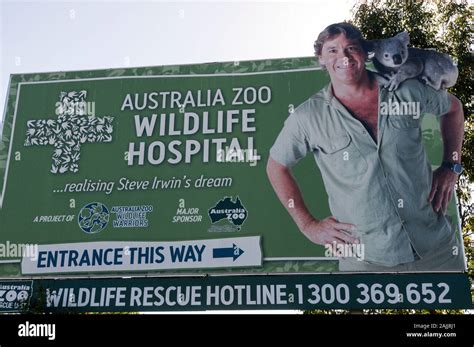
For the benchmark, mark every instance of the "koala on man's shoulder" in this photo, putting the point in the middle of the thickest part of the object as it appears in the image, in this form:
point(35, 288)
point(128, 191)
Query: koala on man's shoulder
point(397, 62)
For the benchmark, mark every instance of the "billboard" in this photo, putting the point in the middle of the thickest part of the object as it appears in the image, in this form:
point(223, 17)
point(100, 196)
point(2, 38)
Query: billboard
point(163, 170)
point(255, 292)
point(152, 169)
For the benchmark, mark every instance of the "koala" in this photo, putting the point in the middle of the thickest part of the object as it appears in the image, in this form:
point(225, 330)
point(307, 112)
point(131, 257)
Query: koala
point(397, 62)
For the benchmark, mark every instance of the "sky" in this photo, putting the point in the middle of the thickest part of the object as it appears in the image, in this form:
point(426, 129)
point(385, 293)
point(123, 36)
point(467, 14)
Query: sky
point(46, 36)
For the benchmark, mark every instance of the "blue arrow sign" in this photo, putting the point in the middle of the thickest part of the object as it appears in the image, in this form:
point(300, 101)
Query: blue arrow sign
point(231, 252)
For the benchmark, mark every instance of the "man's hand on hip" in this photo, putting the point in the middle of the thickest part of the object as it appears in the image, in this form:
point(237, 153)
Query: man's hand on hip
point(442, 189)
point(329, 230)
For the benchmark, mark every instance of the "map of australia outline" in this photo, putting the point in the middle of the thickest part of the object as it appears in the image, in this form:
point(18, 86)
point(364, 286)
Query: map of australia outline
point(226, 206)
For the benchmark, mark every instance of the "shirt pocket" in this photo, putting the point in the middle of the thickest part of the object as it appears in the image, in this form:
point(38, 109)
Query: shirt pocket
point(406, 136)
point(342, 156)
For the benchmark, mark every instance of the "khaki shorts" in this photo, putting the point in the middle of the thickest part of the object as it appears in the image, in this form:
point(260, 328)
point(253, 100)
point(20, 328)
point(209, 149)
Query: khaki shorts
point(446, 258)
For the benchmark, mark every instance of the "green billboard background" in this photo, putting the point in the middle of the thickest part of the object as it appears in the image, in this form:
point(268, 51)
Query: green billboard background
point(29, 190)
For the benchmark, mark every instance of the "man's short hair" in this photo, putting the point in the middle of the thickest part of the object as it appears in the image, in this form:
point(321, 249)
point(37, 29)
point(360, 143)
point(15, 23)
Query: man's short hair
point(350, 31)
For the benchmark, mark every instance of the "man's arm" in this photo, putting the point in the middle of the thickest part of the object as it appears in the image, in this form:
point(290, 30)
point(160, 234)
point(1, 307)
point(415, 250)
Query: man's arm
point(318, 231)
point(452, 132)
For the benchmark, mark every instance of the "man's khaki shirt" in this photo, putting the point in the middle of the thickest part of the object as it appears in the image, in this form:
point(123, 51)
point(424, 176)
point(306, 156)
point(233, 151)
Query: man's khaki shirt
point(382, 187)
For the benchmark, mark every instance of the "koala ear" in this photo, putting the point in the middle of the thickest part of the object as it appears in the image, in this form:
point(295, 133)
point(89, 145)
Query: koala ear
point(370, 45)
point(403, 37)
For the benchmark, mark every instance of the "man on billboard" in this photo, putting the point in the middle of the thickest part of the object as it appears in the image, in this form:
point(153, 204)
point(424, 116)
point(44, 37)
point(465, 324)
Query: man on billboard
point(382, 191)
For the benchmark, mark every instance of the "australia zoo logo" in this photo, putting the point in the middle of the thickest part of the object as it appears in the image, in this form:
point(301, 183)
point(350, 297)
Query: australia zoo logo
point(75, 125)
point(227, 215)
